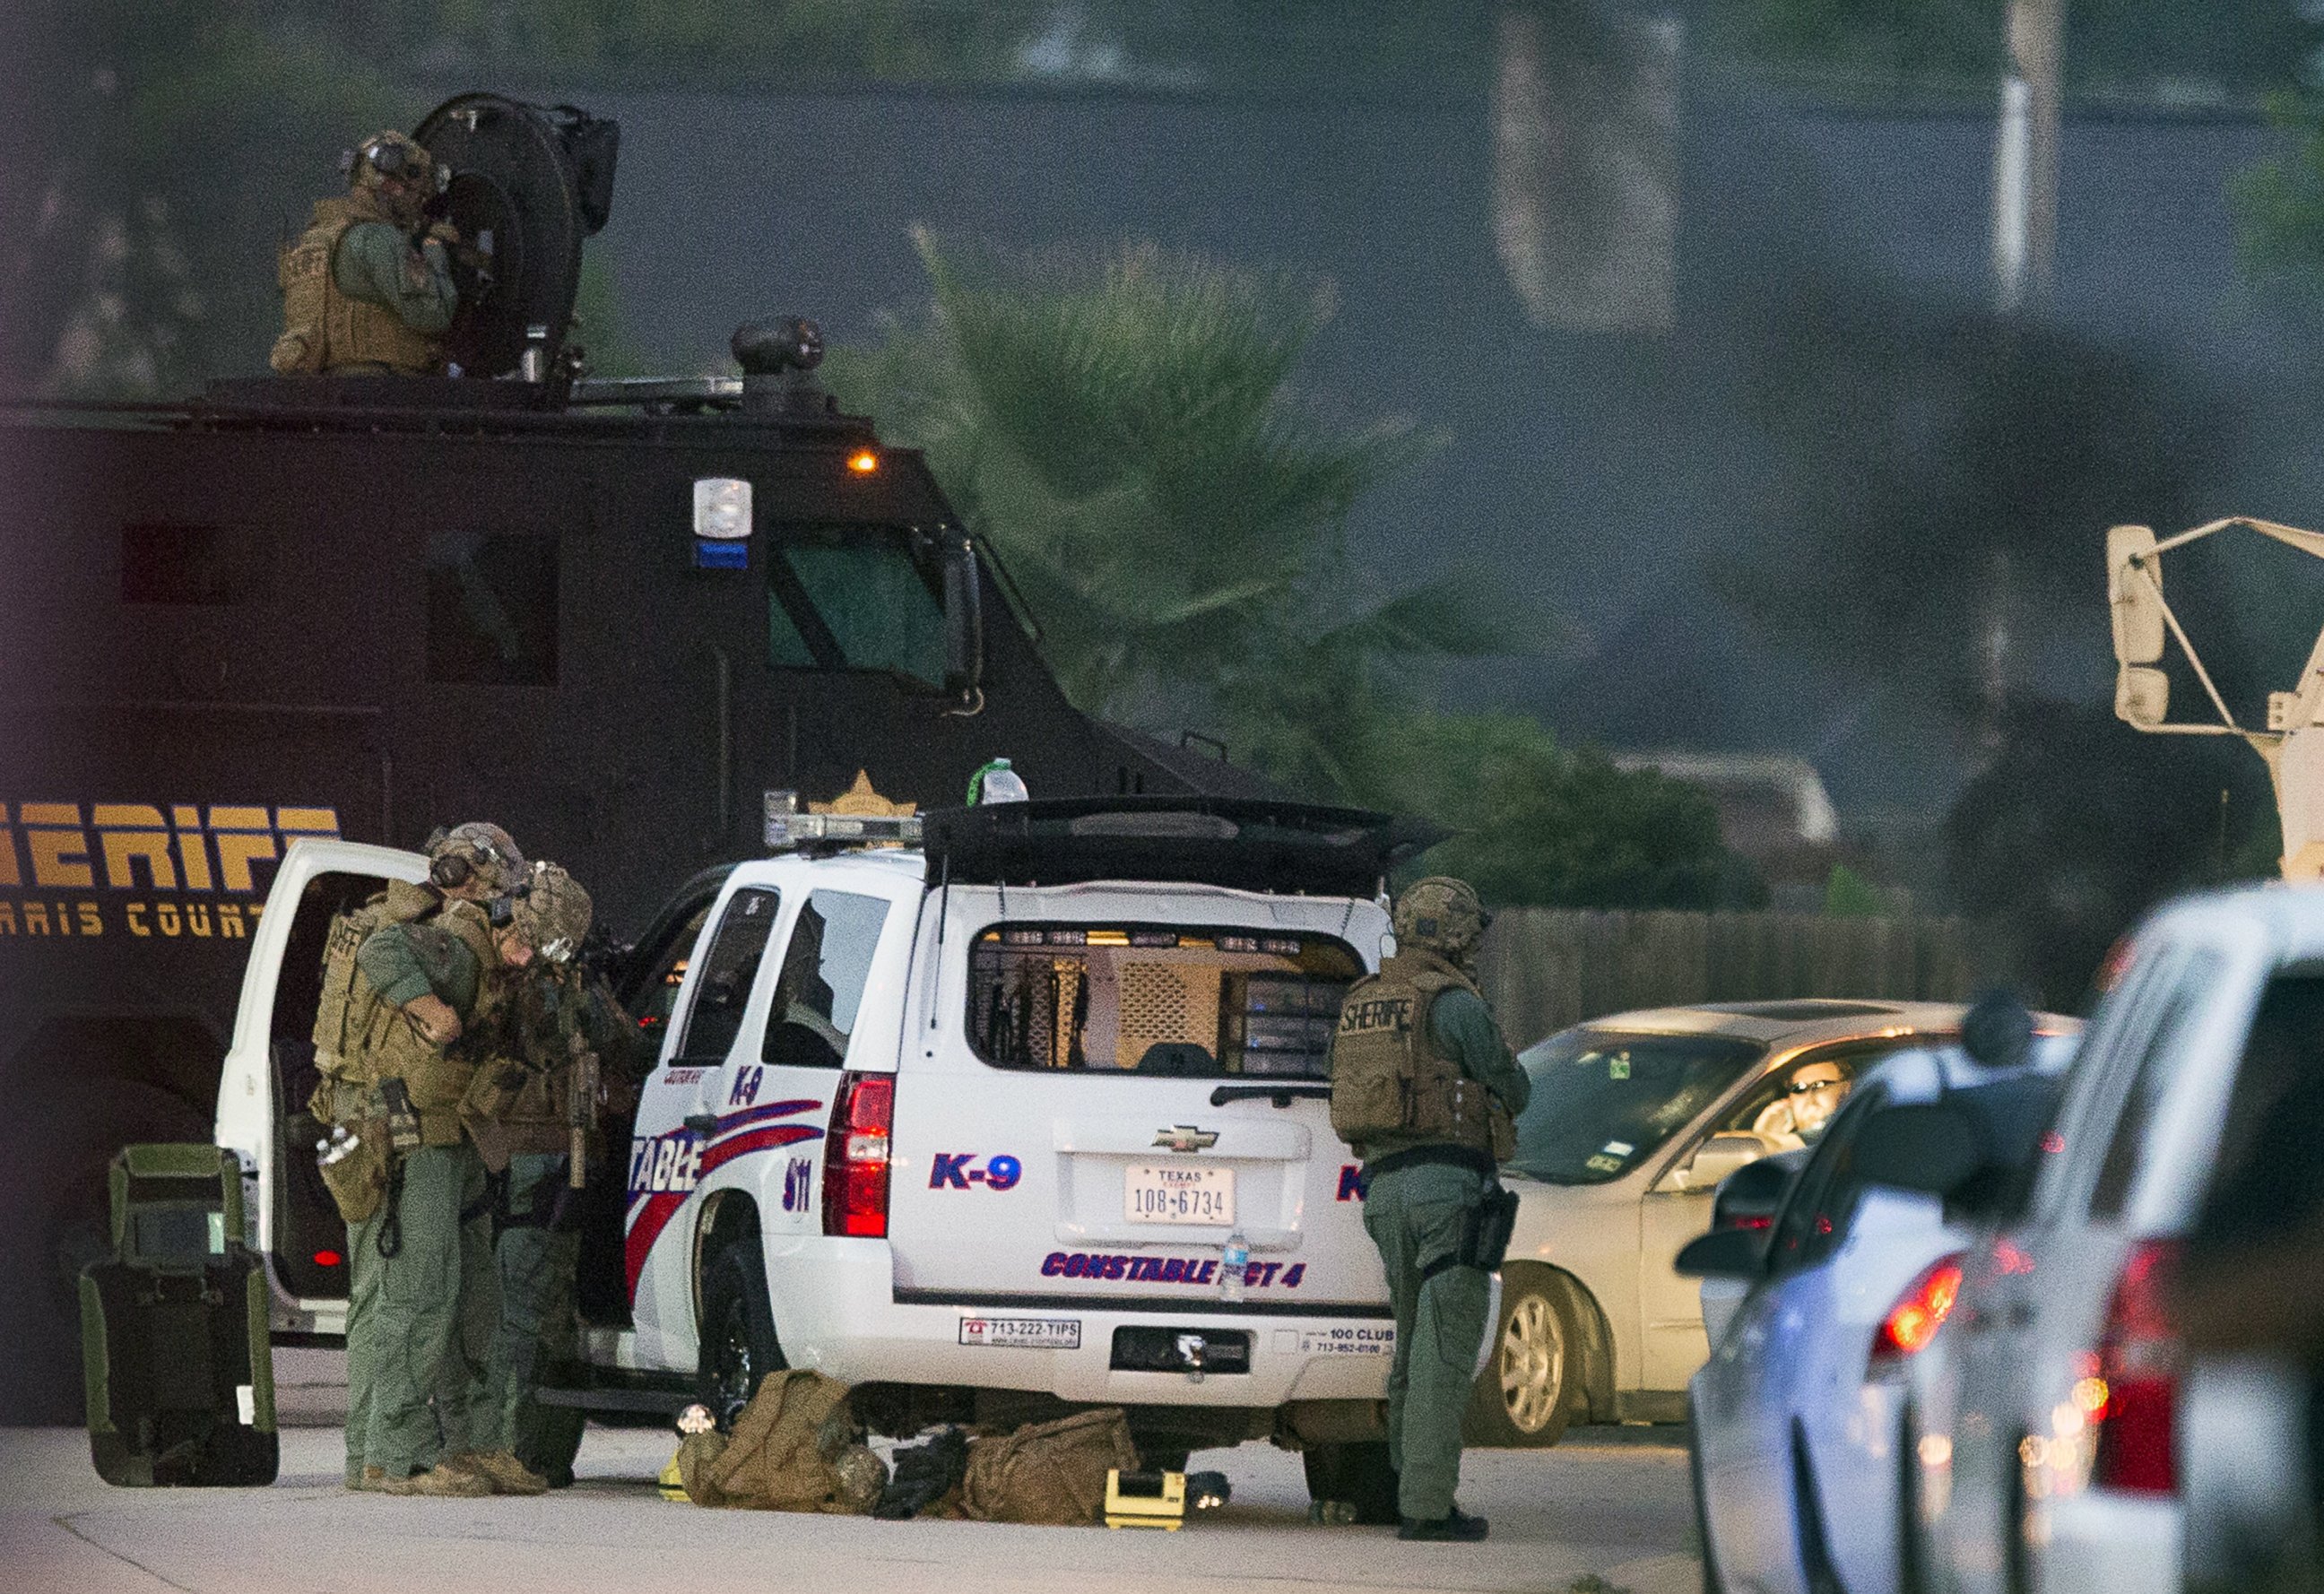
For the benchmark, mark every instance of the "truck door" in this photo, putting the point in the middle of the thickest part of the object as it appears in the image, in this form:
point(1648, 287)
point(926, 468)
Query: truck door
point(680, 1106)
point(777, 1099)
point(1100, 1101)
point(270, 1071)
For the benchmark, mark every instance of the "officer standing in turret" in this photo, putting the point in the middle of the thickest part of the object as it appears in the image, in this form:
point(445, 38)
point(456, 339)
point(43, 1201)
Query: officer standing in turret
point(1424, 1089)
point(365, 293)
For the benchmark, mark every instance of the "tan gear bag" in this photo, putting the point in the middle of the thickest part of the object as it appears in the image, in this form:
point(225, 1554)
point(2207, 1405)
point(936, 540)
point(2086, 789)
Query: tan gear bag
point(785, 1453)
point(1049, 1474)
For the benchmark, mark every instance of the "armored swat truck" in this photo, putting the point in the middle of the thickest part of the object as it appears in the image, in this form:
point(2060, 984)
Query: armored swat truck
point(624, 620)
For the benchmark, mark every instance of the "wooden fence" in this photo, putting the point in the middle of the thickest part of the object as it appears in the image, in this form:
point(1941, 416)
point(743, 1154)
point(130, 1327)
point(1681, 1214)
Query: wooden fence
point(1546, 969)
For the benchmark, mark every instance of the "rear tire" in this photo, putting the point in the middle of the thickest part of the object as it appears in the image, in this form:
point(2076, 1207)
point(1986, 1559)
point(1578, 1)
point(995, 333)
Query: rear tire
point(1524, 1398)
point(1701, 1507)
point(1910, 1577)
point(1358, 1473)
point(739, 1347)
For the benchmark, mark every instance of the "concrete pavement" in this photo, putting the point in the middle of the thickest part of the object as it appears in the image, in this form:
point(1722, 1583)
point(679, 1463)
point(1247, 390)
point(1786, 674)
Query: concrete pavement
point(1611, 1504)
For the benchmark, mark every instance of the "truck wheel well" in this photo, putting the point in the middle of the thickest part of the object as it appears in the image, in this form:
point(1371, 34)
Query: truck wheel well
point(729, 1215)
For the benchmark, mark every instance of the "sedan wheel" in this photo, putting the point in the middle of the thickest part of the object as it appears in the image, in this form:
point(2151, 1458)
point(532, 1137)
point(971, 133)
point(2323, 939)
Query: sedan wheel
point(1522, 1399)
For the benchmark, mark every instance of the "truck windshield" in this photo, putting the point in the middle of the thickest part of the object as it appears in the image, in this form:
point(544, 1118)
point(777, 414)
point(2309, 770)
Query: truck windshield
point(1603, 1101)
point(1154, 998)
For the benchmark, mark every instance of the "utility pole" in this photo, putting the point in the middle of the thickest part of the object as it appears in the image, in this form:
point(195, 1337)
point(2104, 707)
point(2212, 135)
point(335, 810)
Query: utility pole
point(2025, 154)
point(2024, 256)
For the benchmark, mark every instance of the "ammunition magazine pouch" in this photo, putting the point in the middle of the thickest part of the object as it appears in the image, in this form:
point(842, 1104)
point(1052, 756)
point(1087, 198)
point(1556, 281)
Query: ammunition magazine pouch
point(358, 1181)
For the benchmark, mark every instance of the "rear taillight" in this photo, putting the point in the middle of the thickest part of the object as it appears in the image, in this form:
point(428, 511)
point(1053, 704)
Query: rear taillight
point(2136, 1400)
point(1917, 1315)
point(855, 1156)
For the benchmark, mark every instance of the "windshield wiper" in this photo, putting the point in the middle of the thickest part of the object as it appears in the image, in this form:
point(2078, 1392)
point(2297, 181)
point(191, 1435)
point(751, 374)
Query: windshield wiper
point(1282, 1095)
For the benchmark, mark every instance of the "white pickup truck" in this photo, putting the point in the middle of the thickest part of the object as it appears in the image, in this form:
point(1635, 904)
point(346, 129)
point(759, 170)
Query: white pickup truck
point(969, 1124)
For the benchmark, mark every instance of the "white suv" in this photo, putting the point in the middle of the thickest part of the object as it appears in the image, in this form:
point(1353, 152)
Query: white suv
point(972, 1127)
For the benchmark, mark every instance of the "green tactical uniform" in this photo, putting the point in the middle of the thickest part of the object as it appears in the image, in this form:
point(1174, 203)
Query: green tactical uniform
point(1428, 1164)
point(539, 1244)
point(419, 1321)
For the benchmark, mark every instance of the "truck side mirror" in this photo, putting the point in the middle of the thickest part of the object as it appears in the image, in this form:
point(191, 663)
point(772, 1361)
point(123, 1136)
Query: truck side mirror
point(1751, 1197)
point(1928, 1146)
point(964, 601)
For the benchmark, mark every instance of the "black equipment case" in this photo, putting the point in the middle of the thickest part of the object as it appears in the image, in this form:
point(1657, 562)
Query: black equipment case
point(174, 1347)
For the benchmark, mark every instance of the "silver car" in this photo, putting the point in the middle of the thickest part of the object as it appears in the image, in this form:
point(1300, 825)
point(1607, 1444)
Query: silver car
point(1635, 1120)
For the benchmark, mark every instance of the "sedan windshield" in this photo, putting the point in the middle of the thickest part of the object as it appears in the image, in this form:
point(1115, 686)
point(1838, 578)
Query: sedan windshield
point(1603, 1100)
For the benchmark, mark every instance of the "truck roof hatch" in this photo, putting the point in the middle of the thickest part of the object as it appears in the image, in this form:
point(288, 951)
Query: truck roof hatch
point(1239, 842)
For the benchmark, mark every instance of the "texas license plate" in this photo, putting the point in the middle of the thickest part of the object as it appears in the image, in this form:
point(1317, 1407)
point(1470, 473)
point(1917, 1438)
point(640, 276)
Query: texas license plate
point(1172, 1192)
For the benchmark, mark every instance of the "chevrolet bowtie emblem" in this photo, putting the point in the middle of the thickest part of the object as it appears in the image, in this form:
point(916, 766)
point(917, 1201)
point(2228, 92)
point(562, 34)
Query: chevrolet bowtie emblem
point(1187, 1138)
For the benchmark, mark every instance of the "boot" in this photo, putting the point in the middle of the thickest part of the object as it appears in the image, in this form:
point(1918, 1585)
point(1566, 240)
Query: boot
point(1456, 1527)
point(440, 1483)
point(501, 1469)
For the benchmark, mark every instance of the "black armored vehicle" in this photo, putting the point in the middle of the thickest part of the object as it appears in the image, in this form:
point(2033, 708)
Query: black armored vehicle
point(626, 620)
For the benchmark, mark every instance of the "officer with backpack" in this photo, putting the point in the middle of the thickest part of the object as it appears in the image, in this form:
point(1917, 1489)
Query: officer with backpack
point(403, 979)
point(558, 1045)
point(1425, 1091)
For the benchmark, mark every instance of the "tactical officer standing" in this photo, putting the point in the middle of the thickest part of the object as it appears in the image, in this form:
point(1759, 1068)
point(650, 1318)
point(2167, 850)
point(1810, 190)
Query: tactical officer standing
point(1424, 1089)
point(558, 1042)
point(365, 293)
point(403, 979)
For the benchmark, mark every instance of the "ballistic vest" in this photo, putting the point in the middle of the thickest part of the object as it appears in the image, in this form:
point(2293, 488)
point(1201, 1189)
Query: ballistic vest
point(525, 1084)
point(323, 330)
point(361, 1040)
point(1391, 1088)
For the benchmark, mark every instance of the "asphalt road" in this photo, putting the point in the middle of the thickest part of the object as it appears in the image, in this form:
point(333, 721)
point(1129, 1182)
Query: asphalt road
point(1609, 1503)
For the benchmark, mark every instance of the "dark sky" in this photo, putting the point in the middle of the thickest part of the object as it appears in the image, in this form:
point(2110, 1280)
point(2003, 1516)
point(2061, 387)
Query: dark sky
point(1602, 475)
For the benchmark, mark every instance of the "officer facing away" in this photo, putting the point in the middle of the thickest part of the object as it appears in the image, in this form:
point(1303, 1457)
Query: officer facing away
point(1424, 1089)
point(365, 293)
point(558, 1043)
point(403, 979)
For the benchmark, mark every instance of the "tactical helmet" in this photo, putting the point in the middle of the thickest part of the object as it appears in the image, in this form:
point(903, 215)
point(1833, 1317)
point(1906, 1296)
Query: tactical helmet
point(390, 156)
point(478, 850)
point(553, 912)
point(1442, 915)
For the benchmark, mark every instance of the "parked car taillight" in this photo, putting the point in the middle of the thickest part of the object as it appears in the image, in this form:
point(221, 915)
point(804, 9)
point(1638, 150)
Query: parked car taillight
point(855, 1156)
point(2136, 1403)
point(1917, 1315)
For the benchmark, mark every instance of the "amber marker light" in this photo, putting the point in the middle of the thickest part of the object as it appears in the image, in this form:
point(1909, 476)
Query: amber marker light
point(863, 462)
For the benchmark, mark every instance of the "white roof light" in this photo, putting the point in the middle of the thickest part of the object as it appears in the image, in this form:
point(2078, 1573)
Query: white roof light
point(722, 508)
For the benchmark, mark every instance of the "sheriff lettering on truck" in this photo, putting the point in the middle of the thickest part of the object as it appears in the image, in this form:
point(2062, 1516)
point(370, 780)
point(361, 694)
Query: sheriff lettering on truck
point(1009, 1110)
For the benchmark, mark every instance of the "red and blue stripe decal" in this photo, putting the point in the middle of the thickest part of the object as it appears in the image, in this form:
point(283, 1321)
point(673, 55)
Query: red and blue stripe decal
point(666, 1168)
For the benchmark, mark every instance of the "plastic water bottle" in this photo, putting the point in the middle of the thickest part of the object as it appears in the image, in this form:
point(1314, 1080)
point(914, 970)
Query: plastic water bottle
point(1002, 784)
point(1233, 1267)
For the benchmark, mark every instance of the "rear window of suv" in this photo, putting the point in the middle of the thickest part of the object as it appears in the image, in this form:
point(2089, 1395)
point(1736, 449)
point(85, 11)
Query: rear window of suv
point(1156, 999)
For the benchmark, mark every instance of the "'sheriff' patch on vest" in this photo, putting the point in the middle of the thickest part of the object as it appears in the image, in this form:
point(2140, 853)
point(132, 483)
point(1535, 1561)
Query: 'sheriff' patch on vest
point(1391, 1087)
